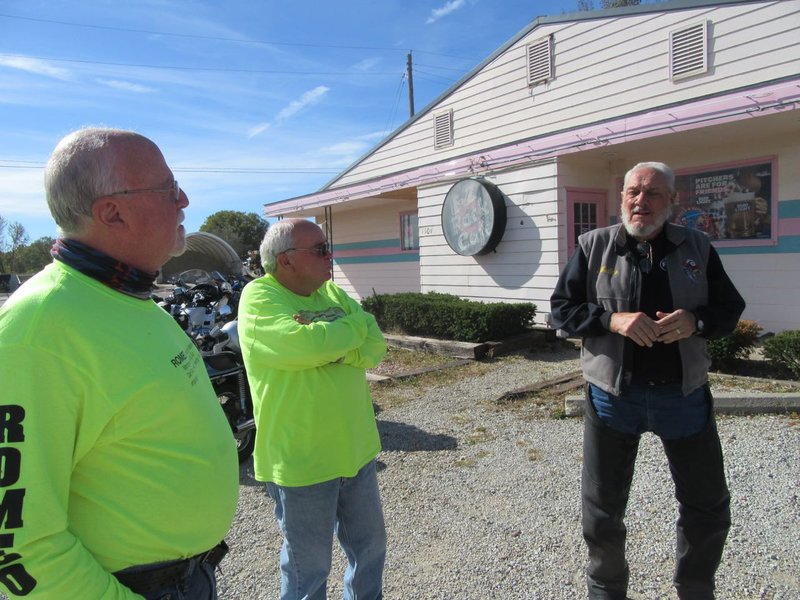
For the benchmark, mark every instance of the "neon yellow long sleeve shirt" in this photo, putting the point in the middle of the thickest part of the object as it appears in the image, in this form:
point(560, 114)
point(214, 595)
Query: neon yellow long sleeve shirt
point(115, 449)
point(314, 415)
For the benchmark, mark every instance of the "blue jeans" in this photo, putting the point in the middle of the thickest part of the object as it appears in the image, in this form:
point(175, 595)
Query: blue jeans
point(662, 409)
point(688, 432)
point(309, 516)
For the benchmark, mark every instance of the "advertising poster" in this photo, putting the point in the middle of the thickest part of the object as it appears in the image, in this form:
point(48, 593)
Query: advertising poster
point(732, 203)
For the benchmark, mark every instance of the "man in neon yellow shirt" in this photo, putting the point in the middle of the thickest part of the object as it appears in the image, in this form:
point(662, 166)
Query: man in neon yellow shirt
point(306, 345)
point(119, 473)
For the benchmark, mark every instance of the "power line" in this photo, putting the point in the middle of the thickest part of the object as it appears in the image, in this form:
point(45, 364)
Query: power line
point(221, 39)
point(180, 68)
point(416, 64)
point(390, 122)
point(30, 164)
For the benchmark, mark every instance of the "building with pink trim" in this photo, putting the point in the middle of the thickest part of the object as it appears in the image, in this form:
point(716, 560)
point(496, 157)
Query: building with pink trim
point(483, 192)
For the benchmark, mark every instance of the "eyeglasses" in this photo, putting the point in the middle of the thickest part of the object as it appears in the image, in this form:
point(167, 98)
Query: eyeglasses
point(176, 189)
point(320, 249)
point(645, 251)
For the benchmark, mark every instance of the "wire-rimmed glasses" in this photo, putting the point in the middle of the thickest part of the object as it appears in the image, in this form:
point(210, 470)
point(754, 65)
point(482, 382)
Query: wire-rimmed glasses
point(176, 189)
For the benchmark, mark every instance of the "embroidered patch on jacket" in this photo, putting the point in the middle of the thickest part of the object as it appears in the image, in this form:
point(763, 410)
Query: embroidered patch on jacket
point(691, 269)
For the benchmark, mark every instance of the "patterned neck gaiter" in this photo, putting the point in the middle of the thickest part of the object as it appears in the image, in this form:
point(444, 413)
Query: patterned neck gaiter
point(109, 271)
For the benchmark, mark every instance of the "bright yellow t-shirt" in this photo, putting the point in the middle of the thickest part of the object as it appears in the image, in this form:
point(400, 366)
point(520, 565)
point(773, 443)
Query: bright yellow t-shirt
point(314, 416)
point(120, 453)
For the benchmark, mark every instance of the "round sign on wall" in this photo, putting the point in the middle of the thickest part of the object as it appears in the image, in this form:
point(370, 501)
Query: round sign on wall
point(473, 217)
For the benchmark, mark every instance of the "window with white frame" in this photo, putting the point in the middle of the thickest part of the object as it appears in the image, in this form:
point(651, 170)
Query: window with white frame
point(688, 51)
point(409, 231)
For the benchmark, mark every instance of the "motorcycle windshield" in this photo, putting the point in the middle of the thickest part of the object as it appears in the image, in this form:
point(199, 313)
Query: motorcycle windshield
point(194, 277)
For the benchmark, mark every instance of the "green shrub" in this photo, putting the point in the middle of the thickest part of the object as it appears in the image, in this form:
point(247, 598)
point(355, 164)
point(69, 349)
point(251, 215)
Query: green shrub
point(784, 349)
point(449, 317)
point(738, 344)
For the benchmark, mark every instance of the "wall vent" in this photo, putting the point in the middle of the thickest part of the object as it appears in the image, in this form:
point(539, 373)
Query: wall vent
point(688, 51)
point(443, 129)
point(540, 61)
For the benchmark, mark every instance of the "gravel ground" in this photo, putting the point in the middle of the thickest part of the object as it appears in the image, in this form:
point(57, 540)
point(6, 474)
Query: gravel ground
point(482, 501)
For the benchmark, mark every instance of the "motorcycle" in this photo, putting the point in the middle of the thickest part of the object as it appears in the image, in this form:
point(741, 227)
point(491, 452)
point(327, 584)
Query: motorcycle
point(223, 360)
point(203, 305)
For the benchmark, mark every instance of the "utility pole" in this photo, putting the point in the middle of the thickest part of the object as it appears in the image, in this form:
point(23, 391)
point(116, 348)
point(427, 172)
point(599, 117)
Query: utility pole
point(410, 86)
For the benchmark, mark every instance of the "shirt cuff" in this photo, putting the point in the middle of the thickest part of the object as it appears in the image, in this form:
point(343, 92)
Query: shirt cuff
point(605, 320)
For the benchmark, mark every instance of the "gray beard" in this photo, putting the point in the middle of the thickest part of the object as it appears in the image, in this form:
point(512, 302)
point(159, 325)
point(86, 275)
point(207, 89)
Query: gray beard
point(645, 231)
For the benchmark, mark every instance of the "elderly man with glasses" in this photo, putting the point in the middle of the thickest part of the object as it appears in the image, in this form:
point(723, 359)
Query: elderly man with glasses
point(645, 295)
point(119, 474)
point(306, 346)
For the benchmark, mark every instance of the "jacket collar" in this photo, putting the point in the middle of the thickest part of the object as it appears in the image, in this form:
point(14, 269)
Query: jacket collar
point(675, 234)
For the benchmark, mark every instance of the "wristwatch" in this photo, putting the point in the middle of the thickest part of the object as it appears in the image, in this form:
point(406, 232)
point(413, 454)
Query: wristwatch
point(699, 325)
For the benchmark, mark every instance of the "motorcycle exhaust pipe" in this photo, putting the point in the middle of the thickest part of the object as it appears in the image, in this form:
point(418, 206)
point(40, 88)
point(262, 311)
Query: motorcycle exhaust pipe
point(245, 426)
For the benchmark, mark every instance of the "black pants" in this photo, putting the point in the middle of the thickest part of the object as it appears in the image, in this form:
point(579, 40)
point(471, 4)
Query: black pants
point(696, 466)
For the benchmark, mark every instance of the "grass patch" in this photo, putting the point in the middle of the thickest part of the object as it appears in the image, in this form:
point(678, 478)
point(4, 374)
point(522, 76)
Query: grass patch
point(541, 404)
point(399, 360)
point(732, 382)
point(460, 419)
point(479, 436)
point(397, 392)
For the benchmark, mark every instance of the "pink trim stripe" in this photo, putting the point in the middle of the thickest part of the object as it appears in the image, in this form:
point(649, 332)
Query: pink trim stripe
point(789, 226)
point(736, 106)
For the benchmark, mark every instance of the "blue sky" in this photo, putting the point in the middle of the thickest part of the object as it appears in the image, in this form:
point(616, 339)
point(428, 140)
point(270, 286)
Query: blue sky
point(251, 101)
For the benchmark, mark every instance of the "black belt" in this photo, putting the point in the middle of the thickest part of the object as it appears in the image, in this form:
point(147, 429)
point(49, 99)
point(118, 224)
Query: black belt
point(144, 580)
point(657, 382)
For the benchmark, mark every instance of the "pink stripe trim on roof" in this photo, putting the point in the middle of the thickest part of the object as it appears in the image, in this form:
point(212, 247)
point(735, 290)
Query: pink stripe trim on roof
point(736, 106)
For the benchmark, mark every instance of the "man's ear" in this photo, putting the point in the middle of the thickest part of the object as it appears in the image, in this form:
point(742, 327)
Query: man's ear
point(107, 213)
point(284, 262)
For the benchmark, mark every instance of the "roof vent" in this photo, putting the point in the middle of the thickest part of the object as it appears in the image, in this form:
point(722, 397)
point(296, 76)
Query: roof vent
point(688, 51)
point(443, 129)
point(540, 60)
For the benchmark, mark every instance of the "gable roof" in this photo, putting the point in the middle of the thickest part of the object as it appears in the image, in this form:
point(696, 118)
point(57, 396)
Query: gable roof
point(672, 5)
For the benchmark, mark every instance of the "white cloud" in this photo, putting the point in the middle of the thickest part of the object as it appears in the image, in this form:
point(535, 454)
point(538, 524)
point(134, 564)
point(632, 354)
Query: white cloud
point(257, 130)
point(373, 136)
point(367, 64)
point(345, 148)
point(307, 99)
point(438, 13)
point(35, 65)
point(22, 195)
point(126, 86)
point(295, 106)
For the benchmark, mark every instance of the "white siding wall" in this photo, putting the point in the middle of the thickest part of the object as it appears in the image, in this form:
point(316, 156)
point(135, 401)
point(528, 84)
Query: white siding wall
point(534, 247)
point(524, 267)
point(384, 278)
point(380, 222)
point(604, 68)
